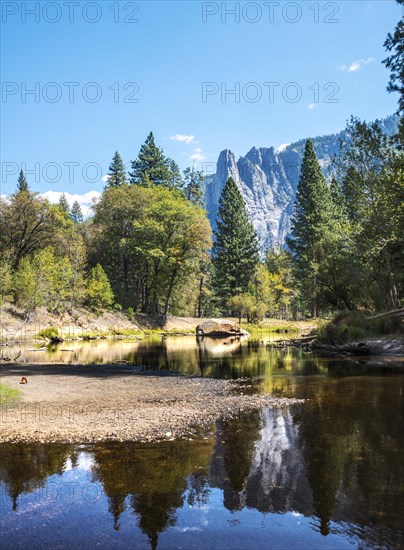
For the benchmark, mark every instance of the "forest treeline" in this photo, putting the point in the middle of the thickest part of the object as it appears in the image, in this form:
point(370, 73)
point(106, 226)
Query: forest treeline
point(148, 246)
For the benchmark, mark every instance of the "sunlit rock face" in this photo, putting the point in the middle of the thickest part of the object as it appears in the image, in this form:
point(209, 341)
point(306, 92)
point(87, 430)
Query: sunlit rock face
point(268, 178)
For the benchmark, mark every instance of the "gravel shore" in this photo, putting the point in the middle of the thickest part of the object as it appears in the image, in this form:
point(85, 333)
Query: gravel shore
point(86, 404)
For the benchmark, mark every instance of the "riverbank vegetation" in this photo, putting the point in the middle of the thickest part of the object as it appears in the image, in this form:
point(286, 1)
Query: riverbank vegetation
point(148, 248)
point(8, 395)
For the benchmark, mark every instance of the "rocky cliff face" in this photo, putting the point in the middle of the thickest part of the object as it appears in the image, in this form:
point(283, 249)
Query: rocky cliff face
point(267, 179)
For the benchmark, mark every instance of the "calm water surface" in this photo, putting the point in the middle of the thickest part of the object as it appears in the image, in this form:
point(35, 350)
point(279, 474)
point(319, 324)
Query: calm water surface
point(325, 474)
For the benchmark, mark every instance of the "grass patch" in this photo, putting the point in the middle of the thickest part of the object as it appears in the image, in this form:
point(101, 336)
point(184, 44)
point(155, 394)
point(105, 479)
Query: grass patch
point(352, 326)
point(283, 328)
point(87, 336)
point(125, 332)
point(8, 395)
point(48, 333)
point(172, 332)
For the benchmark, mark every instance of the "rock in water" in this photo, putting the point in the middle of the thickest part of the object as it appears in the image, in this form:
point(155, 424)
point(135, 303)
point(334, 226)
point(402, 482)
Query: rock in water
point(220, 328)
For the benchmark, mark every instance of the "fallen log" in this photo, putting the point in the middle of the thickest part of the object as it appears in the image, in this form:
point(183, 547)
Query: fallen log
point(393, 313)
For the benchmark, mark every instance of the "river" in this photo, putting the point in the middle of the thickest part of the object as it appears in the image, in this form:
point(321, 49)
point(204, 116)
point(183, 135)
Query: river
point(328, 473)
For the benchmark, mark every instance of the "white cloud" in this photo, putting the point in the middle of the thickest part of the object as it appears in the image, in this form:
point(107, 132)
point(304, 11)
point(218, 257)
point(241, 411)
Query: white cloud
point(85, 200)
point(355, 65)
point(105, 178)
point(183, 138)
point(282, 147)
point(197, 155)
point(312, 106)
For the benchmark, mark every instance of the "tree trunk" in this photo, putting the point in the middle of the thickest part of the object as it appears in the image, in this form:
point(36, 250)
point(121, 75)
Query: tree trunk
point(200, 296)
point(170, 290)
point(392, 287)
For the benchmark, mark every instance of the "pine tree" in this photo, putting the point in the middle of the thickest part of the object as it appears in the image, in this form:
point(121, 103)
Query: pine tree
point(235, 251)
point(395, 62)
point(64, 205)
point(151, 167)
point(353, 194)
point(117, 173)
point(311, 218)
point(175, 175)
point(76, 213)
point(192, 188)
point(22, 184)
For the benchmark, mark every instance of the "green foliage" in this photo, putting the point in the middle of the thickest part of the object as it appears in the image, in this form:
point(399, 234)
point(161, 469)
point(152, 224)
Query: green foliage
point(352, 326)
point(395, 62)
point(313, 215)
point(117, 172)
point(171, 237)
point(235, 250)
point(75, 213)
point(152, 167)
point(64, 205)
point(192, 186)
point(8, 395)
point(22, 184)
point(152, 242)
point(49, 280)
point(99, 293)
point(275, 283)
point(25, 285)
point(373, 191)
point(29, 224)
point(242, 305)
point(6, 278)
point(48, 333)
point(130, 312)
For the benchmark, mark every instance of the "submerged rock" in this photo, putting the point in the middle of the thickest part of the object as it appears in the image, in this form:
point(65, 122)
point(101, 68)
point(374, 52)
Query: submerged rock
point(214, 327)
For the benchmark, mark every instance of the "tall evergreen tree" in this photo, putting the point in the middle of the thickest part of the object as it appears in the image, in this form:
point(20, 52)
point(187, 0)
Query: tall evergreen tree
point(151, 167)
point(311, 218)
point(117, 173)
point(76, 213)
point(373, 192)
point(22, 184)
point(353, 194)
point(235, 251)
point(395, 62)
point(64, 205)
point(192, 187)
point(175, 178)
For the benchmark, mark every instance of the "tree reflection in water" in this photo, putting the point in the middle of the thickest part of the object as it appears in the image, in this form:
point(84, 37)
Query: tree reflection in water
point(338, 458)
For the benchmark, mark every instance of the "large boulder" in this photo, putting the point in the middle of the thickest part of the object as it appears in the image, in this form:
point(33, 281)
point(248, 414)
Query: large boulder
point(215, 327)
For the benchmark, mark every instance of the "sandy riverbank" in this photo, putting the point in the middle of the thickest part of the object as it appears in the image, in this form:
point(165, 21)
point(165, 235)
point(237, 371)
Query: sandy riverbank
point(16, 326)
point(82, 404)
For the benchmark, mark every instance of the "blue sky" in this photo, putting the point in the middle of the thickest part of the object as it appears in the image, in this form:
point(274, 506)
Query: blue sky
point(303, 52)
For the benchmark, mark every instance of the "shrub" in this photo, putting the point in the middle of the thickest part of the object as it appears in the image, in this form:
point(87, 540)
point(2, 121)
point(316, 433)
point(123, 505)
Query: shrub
point(130, 312)
point(350, 326)
point(48, 333)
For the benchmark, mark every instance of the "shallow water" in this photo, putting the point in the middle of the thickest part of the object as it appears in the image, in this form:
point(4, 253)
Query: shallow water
point(325, 474)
